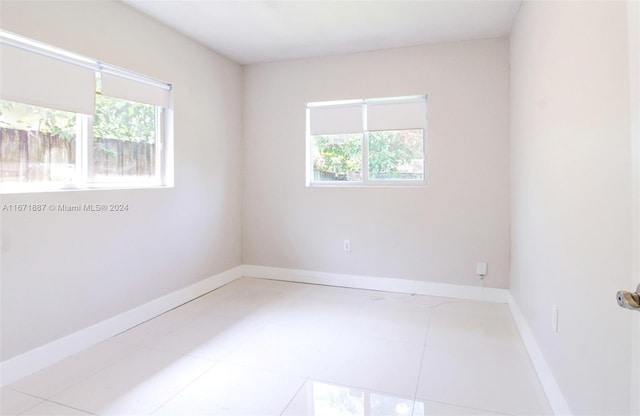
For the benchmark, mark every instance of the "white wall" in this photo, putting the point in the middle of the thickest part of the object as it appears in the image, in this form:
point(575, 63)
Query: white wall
point(62, 272)
point(571, 194)
point(633, 19)
point(435, 233)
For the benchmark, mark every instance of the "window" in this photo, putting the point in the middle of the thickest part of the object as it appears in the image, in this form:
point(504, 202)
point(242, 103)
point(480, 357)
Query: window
point(67, 122)
point(367, 142)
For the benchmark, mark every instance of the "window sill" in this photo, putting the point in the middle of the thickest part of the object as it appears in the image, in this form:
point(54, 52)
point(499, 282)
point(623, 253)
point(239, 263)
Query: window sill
point(368, 184)
point(9, 189)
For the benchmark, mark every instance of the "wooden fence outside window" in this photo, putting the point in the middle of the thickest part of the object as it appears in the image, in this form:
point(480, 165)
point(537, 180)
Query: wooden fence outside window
point(27, 156)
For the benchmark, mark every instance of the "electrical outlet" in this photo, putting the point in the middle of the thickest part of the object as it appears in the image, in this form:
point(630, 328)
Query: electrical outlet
point(347, 245)
point(481, 269)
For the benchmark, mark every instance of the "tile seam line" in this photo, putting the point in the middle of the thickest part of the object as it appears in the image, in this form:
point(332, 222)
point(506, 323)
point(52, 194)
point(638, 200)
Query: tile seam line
point(214, 364)
point(294, 396)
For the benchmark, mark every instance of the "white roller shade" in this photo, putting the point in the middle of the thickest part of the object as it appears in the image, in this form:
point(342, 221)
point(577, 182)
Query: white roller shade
point(335, 119)
point(398, 115)
point(133, 90)
point(41, 80)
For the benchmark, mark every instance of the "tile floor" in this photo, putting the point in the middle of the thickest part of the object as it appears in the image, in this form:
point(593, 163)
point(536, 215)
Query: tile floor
point(261, 347)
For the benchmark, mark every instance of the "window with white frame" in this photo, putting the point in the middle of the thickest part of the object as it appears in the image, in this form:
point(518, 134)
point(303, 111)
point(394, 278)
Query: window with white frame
point(70, 122)
point(379, 141)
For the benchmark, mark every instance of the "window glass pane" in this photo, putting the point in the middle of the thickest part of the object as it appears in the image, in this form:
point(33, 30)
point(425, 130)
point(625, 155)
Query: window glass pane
point(37, 144)
point(396, 155)
point(337, 157)
point(124, 139)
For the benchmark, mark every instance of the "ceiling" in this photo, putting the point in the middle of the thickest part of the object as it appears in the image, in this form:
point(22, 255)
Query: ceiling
point(264, 31)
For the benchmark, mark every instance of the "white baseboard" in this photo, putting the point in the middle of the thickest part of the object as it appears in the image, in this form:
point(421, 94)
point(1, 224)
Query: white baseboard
point(551, 388)
point(41, 357)
point(379, 283)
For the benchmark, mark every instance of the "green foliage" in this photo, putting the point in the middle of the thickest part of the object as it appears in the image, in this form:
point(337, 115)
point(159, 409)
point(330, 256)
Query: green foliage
point(389, 151)
point(124, 120)
point(338, 154)
point(37, 119)
point(391, 155)
point(114, 119)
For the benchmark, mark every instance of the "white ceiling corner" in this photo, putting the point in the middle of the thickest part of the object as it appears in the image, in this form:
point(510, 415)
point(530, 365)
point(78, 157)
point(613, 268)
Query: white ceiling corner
point(264, 31)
